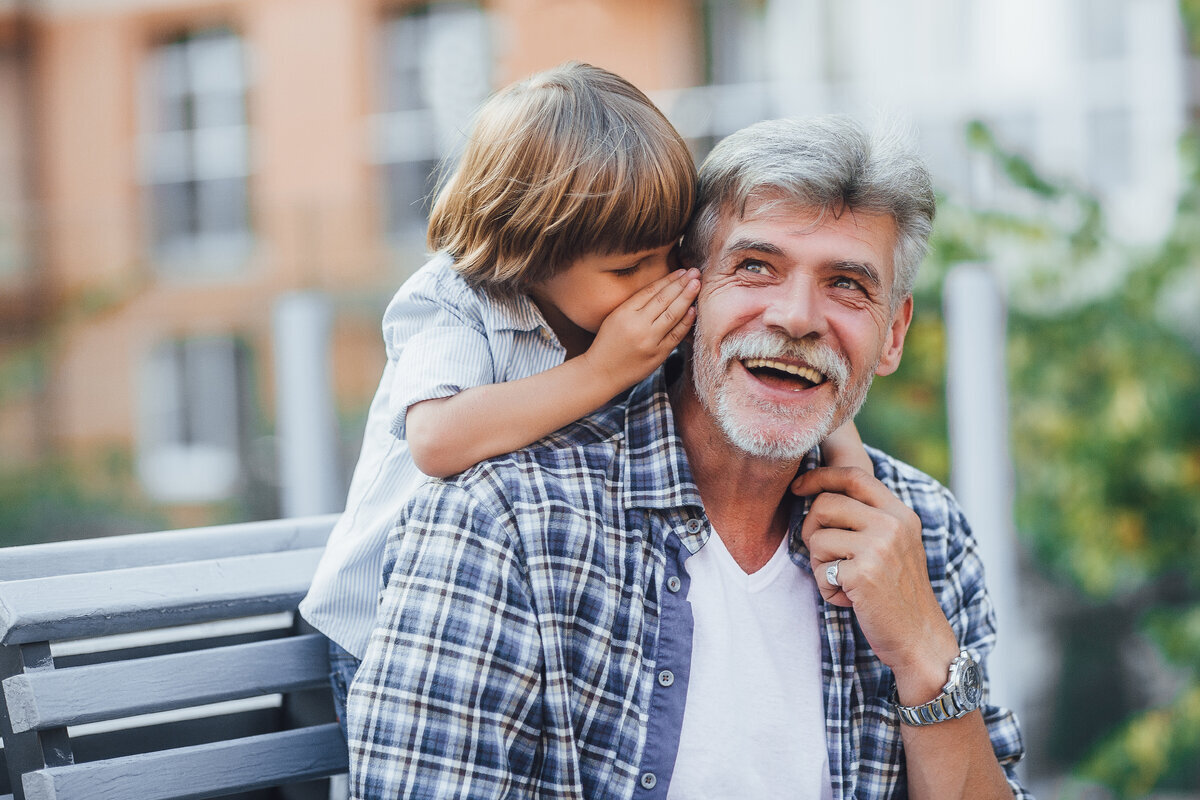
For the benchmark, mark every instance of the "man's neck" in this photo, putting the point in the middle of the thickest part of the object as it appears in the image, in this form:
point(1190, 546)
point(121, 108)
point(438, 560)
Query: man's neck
point(746, 498)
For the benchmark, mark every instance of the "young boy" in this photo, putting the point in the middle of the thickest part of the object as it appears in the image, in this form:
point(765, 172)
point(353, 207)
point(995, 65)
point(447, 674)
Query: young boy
point(553, 289)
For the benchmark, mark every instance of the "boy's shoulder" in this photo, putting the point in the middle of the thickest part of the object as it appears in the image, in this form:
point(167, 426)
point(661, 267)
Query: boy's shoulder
point(438, 287)
point(437, 278)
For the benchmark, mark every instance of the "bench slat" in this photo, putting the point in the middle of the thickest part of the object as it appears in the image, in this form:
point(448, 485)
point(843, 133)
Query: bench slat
point(57, 698)
point(164, 547)
point(124, 600)
point(201, 771)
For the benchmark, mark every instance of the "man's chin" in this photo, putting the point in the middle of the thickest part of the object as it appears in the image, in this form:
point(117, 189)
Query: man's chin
point(772, 438)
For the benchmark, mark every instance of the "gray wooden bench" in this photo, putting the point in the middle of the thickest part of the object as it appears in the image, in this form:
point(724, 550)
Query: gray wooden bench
point(166, 665)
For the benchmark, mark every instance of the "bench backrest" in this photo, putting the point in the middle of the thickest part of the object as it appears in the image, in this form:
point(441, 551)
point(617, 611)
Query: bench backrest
point(165, 665)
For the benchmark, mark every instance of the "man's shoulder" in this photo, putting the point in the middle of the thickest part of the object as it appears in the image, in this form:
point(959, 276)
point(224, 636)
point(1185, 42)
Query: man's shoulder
point(932, 501)
point(892, 470)
point(571, 462)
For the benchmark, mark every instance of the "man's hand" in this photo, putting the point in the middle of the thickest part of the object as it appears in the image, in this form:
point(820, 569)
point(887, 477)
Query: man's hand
point(640, 333)
point(882, 574)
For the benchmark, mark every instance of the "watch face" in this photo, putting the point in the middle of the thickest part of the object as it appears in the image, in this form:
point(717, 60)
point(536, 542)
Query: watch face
point(969, 685)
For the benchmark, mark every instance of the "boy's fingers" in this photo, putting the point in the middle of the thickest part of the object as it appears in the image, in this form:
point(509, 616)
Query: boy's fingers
point(675, 310)
point(664, 291)
point(676, 334)
point(642, 298)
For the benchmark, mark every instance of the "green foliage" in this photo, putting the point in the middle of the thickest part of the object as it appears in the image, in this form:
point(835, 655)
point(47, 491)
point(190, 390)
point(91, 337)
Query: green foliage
point(51, 501)
point(1106, 443)
point(1190, 9)
point(1156, 748)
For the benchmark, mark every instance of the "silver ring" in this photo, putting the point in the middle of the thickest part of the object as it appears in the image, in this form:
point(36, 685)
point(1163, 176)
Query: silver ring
point(831, 573)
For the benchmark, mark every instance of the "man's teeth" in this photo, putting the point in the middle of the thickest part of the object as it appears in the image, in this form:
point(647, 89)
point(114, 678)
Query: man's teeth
point(807, 373)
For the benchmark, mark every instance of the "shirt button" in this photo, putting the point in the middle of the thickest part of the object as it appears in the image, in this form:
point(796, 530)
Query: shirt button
point(674, 584)
point(648, 780)
point(666, 678)
point(693, 525)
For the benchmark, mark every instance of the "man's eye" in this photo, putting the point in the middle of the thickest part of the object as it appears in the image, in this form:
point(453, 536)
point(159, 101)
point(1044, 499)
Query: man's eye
point(843, 282)
point(757, 267)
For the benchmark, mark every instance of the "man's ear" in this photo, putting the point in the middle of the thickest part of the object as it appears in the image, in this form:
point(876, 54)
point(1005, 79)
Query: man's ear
point(893, 346)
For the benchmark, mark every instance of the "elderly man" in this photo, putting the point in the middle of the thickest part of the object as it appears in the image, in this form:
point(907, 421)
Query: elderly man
point(644, 605)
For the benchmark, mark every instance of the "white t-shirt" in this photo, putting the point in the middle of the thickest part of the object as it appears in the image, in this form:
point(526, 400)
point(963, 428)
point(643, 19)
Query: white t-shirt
point(754, 722)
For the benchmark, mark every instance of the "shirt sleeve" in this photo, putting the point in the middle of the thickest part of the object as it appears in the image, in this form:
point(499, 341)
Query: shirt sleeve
point(447, 701)
point(974, 621)
point(436, 337)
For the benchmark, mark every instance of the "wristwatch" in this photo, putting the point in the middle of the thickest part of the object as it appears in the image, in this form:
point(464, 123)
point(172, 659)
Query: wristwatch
point(960, 696)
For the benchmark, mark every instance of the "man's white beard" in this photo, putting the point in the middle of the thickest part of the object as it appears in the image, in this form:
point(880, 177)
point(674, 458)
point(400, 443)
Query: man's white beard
point(803, 427)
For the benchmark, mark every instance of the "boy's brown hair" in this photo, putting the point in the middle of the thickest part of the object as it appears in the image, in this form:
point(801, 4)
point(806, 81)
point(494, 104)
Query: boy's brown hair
point(569, 162)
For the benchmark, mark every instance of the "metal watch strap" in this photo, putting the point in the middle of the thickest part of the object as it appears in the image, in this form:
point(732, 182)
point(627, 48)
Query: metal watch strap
point(939, 709)
point(945, 706)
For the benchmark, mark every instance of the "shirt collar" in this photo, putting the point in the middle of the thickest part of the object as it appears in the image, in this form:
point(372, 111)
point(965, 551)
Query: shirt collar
point(501, 312)
point(655, 471)
point(517, 313)
point(800, 506)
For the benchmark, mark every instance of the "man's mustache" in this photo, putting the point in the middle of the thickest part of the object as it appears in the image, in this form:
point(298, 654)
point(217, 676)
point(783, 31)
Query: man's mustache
point(773, 345)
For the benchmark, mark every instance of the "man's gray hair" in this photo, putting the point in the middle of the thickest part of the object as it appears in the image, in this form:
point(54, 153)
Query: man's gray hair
point(829, 163)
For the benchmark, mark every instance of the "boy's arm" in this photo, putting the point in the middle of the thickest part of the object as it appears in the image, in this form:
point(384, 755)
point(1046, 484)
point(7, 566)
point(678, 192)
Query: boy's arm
point(844, 448)
point(449, 434)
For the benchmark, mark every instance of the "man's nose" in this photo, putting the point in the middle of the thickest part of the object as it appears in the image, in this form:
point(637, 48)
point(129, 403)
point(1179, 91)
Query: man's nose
point(795, 308)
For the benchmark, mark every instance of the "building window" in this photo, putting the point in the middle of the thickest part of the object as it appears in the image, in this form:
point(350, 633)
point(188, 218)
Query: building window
point(427, 99)
point(737, 88)
point(196, 155)
point(194, 398)
point(736, 43)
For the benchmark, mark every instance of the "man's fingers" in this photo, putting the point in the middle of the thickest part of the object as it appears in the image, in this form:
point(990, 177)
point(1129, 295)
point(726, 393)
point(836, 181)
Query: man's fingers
point(848, 481)
point(832, 510)
point(830, 544)
point(835, 595)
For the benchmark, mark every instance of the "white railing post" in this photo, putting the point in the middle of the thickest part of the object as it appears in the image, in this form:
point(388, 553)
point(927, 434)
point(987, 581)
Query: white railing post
point(305, 422)
point(981, 467)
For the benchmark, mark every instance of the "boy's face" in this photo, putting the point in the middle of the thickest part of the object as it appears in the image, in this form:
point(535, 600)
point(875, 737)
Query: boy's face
point(587, 291)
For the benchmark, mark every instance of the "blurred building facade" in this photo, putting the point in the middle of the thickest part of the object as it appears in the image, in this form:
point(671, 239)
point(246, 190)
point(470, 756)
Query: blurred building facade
point(169, 168)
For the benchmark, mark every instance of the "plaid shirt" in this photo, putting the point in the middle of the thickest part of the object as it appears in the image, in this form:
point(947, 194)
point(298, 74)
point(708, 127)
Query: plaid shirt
point(534, 602)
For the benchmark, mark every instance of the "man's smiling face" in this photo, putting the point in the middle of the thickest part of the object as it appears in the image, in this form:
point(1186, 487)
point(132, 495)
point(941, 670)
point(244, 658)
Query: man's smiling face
point(795, 319)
